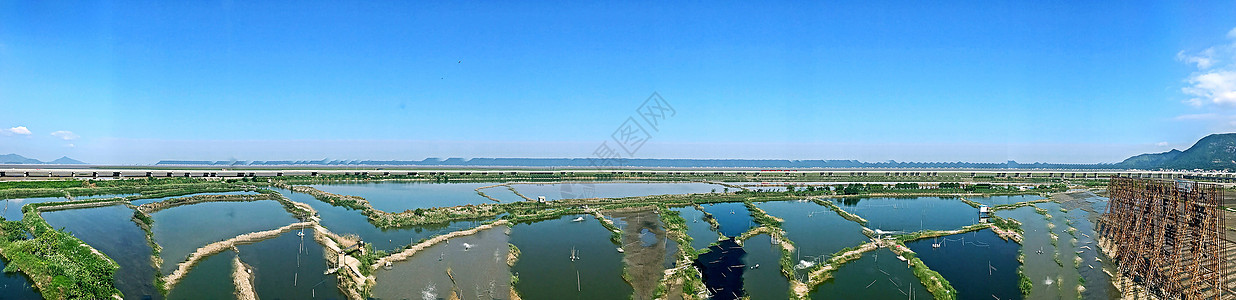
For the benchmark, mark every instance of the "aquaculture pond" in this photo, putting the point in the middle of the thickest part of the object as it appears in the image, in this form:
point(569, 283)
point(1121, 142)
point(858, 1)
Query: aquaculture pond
point(979, 264)
point(503, 194)
point(1000, 200)
point(733, 217)
point(1062, 225)
point(722, 268)
point(210, 279)
point(817, 231)
point(111, 230)
point(911, 214)
point(762, 278)
point(289, 266)
point(471, 267)
point(402, 196)
point(877, 275)
point(153, 200)
point(345, 221)
point(75, 197)
point(181, 230)
point(1039, 252)
point(698, 229)
point(15, 285)
point(12, 207)
point(557, 191)
point(546, 270)
point(1098, 284)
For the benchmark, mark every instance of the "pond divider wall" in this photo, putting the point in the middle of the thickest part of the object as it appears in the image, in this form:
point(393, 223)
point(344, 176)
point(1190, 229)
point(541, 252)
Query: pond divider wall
point(243, 278)
point(201, 253)
point(412, 250)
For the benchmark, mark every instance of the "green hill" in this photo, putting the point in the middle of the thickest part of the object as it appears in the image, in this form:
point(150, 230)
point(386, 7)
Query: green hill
point(1213, 152)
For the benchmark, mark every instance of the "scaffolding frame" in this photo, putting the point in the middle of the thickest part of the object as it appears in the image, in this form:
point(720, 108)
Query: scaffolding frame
point(1167, 236)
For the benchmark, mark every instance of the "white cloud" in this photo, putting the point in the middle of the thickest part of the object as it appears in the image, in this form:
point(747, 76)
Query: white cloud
point(22, 130)
point(65, 135)
point(1203, 60)
point(1161, 144)
point(1211, 87)
point(1218, 87)
point(71, 145)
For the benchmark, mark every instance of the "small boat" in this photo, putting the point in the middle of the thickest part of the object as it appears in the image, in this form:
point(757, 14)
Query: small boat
point(467, 246)
point(621, 251)
point(573, 256)
point(300, 234)
point(388, 265)
point(755, 266)
point(579, 219)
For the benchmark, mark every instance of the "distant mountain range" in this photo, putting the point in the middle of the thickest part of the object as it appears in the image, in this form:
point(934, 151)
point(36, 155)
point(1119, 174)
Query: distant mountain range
point(14, 159)
point(645, 162)
point(1213, 152)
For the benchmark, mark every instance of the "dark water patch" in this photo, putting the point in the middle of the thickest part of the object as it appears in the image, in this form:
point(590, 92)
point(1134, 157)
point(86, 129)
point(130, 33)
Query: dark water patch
point(402, 196)
point(110, 229)
point(722, 266)
point(558, 191)
point(345, 221)
point(290, 266)
point(912, 214)
point(762, 278)
point(698, 229)
point(545, 268)
point(817, 231)
point(153, 200)
point(733, 217)
point(209, 279)
point(978, 264)
point(877, 275)
point(15, 285)
point(477, 265)
point(181, 230)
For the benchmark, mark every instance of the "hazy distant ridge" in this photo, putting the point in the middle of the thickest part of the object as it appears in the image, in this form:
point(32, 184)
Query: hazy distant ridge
point(1214, 152)
point(14, 159)
point(695, 163)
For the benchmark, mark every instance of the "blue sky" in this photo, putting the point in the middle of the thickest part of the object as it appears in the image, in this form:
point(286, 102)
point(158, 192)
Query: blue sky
point(136, 82)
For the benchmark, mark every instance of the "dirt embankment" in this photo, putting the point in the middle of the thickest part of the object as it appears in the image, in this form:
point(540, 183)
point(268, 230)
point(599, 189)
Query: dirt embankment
point(152, 207)
point(243, 278)
point(818, 276)
point(80, 205)
point(350, 278)
point(406, 253)
point(216, 247)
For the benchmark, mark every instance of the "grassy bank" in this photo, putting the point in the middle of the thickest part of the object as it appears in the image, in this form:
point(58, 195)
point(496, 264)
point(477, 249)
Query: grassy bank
point(61, 266)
